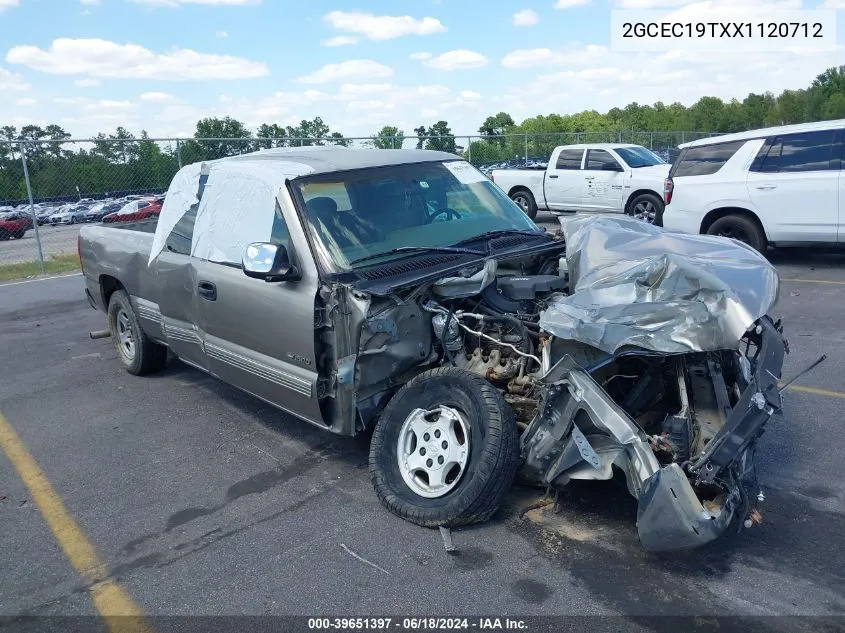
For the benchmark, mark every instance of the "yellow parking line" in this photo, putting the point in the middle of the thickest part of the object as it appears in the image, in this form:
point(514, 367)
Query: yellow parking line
point(817, 392)
point(109, 598)
point(815, 281)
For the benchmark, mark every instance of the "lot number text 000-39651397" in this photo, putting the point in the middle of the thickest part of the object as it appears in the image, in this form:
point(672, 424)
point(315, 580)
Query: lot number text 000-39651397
point(729, 29)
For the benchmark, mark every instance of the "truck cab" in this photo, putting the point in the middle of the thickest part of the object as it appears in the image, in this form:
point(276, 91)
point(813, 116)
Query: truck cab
point(596, 178)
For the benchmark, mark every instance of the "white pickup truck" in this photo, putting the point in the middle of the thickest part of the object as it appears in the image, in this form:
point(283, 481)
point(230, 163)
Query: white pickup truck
point(594, 177)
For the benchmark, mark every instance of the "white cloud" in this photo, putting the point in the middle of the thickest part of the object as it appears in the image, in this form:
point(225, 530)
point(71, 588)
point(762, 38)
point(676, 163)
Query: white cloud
point(382, 27)
point(364, 89)
point(526, 17)
point(710, 4)
point(461, 59)
point(156, 97)
point(90, 2)
point(12, 82)
point(528, 57)
point(469, 95)
point(88, 83)
point(833, 4)
point(176, 3)
point(340, 40)
point(102, 58)
point(596, 77)
point(25, 102)
point(222, 35)
point(5, 4)
point(569, 4)
point(349, 69)
point(421, 56)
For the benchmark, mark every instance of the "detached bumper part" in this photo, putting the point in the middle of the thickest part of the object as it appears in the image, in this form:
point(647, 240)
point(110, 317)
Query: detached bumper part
point(670, 516)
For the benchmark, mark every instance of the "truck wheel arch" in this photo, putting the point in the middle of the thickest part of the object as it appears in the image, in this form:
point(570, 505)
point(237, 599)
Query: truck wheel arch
point(108, 286)
point(633, 195)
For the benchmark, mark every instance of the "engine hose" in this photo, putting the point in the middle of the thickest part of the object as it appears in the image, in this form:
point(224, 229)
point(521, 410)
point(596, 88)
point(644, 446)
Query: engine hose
point(449, 354)
point(524, 331)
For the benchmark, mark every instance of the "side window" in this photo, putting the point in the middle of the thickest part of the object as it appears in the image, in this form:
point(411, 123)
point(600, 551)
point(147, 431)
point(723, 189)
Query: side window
point(280, 234)
point(807, 151)
point(569, 159)
point(601, 160)
point(704, 160)
point(180, 238)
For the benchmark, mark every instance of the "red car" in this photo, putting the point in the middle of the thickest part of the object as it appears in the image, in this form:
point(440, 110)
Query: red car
point(135, 211)
point(14, 224)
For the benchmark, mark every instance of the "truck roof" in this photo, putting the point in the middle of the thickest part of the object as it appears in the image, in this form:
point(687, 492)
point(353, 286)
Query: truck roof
point(328, 159)
point(598, 145)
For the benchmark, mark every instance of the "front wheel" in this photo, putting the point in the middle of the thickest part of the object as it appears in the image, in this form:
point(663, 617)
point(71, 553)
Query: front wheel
point(525, 200)
point(19, 235)
point(136, 352)
point(742, 228)
point(647, 207)
point(445, 450)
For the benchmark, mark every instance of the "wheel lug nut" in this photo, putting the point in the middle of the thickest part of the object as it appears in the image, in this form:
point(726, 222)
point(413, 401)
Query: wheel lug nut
point(440, 460)
point(426, 437)
point(429, 463)
point(422, 451)
point(437, 433)
point(445, 444)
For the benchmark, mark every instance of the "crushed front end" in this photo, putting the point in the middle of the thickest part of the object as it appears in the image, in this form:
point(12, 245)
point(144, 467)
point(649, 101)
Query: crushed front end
point(679, 382)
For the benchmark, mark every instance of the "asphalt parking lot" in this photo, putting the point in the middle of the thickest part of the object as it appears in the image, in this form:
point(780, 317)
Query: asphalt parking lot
point(55, 240)
point(202, 500)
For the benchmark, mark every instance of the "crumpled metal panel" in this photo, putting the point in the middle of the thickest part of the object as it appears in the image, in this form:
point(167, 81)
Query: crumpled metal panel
point(636, 285)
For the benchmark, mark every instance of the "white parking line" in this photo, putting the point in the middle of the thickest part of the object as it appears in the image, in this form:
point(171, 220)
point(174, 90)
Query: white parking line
point(29, 281)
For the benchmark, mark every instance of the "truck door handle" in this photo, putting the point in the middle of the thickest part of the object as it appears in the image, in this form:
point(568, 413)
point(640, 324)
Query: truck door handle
point(207, 290)
point(552, 175)
point(767, 187)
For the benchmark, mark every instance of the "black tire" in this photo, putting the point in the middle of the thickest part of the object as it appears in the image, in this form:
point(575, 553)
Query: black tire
point(647, 207)
point(146, 357)
point(19, 235)
point(742, 228)
point(525, 200)
point(493, 459)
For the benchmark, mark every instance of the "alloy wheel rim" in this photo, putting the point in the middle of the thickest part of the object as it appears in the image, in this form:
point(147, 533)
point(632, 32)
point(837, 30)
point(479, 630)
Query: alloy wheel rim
point(433, 450)
point(125, 335)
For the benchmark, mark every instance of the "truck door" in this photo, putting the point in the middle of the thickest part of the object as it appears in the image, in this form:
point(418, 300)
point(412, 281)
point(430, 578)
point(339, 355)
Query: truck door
point(175, 277)
point(258, 336)
point(562, 184)
point(602, 182)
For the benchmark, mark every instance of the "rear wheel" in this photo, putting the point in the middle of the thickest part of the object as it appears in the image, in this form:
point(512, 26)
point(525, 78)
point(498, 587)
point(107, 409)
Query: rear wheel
point(445, 450)
point(742, 228)
point(20, 234)
point(525, 200)
point(137, 353)
point(646, 207)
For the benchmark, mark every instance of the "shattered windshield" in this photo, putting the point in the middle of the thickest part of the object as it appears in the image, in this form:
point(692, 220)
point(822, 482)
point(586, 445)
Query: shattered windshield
point(639, 157)
point(363, 214)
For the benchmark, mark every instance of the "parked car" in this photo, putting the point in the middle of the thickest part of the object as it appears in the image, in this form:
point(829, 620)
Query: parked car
point(404, 292)
point(779, 186)
point(70, 214)
point(14, 224)
point(599, 177)
point(135, 211)
point(101, 209)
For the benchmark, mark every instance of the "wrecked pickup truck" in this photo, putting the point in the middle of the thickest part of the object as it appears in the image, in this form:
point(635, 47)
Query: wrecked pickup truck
point(402, 292)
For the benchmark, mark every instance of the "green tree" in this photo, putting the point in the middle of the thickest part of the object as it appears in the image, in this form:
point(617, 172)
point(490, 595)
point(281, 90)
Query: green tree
point(494, 127)
point(440, 138)
point(388, 137)
point(232, 137)
point(271, 135)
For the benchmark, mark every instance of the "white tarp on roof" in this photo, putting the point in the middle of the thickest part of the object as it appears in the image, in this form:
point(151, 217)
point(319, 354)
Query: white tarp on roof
point(237, 206)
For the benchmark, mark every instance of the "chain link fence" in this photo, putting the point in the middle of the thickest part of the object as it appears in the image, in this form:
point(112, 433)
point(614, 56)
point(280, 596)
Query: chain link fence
point(50, 187)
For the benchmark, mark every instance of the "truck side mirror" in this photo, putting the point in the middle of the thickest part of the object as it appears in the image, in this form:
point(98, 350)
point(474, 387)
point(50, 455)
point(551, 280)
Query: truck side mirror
point(270, 262)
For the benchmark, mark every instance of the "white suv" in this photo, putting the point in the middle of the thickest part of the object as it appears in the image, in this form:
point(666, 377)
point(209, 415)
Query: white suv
point(773, 187)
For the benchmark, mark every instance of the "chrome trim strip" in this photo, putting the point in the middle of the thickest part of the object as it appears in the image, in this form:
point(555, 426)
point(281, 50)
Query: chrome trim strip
point(262, 370)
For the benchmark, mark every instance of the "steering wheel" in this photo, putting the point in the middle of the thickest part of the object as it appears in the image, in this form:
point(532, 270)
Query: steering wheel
point(450, 214)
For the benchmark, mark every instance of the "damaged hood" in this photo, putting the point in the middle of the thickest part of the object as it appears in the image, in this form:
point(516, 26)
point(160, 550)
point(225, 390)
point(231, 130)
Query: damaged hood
point(633, 284)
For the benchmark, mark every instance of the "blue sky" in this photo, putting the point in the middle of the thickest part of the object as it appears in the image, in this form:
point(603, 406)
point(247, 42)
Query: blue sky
point(92, 65)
